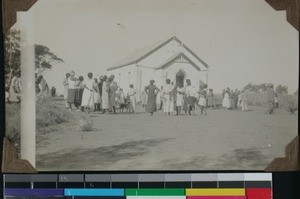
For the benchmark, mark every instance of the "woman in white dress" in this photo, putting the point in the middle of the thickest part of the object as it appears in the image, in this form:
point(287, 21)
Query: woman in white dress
point(169, 99)
point(131, 94)
point(88, 93)
point(179, 98)
point(226, 101)
point(105, 97)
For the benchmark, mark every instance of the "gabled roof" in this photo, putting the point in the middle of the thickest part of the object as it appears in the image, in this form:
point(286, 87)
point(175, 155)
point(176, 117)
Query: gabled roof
point(174, 58)
point(142, 53)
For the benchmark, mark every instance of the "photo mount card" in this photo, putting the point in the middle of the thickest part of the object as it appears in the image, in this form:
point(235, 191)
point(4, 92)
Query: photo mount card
point(192, 50)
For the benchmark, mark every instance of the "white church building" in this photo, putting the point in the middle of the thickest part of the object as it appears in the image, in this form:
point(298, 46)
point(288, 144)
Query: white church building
point(167, 59)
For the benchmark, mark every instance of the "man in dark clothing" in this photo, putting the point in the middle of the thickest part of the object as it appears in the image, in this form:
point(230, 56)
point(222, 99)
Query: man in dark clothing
point(100, 83)
point(270, 100)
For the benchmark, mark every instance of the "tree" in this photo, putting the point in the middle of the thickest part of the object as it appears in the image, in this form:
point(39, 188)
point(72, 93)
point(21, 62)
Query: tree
point(44, 58)
point(281, 89)
point(258, 88)
point(12, 55)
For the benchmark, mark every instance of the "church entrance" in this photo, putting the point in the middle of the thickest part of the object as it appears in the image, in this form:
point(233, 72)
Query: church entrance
point(180, 77)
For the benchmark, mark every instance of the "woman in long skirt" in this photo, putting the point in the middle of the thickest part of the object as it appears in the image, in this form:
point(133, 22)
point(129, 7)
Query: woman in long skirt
point(105, 91)
point(88, 93)
point(151, 91)
point(226, 101)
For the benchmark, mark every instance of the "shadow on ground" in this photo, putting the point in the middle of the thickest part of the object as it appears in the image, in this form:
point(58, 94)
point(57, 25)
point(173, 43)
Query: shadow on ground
point(100, 158)
point(238, 159)
point(243, 159)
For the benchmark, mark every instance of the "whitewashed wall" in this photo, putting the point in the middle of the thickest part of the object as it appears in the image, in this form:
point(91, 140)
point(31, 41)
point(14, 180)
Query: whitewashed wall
point(164, 53)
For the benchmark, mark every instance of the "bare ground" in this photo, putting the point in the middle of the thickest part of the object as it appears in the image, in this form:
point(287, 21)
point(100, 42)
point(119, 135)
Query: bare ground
point(223, 139)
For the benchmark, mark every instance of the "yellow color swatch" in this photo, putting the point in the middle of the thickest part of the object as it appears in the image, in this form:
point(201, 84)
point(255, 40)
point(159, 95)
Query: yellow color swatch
point(215, 192)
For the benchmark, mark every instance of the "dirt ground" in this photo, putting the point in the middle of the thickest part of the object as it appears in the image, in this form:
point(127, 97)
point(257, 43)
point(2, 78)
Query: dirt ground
point(224, 139)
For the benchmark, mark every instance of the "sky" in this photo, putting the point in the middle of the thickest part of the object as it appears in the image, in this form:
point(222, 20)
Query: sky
point(242, 41)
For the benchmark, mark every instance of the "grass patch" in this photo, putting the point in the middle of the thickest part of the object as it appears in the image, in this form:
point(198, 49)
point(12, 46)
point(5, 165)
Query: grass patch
point(48, 116)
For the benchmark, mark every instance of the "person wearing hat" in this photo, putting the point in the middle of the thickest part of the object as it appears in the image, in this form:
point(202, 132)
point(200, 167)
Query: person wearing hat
point(151, 91)
point(72, 88)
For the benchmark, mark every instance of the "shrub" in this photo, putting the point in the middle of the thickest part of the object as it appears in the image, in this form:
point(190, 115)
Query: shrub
point(86, 125)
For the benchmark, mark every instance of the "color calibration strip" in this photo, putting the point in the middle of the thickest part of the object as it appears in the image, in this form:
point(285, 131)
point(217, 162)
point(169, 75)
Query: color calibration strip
point(140, 186)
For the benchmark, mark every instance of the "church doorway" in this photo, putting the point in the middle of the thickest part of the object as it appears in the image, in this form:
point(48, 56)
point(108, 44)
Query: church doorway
point(180, 77)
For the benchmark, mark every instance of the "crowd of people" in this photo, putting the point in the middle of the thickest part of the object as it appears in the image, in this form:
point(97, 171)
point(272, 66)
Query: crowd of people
point(104, 95)
point(93, 94)
point(235, 99)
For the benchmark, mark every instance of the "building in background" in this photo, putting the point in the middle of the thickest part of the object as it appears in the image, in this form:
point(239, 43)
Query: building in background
point(167, 59)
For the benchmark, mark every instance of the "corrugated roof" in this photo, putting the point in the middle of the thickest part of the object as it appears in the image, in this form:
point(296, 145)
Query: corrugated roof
point(142, 53)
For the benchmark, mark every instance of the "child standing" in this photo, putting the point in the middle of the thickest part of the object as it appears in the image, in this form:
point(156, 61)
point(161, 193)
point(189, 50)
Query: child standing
point(179, 98)
point(131, 94)
point(202, 102)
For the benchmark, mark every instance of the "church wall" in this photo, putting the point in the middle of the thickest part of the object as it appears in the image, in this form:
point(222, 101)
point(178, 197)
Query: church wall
point(125, 76)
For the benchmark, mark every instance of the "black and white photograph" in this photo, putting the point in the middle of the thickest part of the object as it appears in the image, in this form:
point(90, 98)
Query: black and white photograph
point(151, 85)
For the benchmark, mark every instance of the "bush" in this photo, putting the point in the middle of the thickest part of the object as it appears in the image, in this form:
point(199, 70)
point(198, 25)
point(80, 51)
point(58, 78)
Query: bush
point(49, 114)
point(86, 125)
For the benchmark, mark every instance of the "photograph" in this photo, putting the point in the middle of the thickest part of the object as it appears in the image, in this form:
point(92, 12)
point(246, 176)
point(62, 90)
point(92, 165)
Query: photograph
point(103, 85)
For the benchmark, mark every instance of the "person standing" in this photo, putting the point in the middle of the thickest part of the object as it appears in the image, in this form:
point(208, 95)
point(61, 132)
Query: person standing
point(88, 93)
point(179, 98)
point(105, 94)
point(66, 87)
point(270, 100)
point(112, 93)
point(234, 99)
point(73, 86)
point(191, 96)
point(144, 98)
point(100, 83)
point(97, 97)
point(226, 100)
point(161, 98)
point(210, 98)
point(151, 91)
point(202, 102)
point(80, 89)
point(43, 87)
point(223, 94)
point(244, 100)
point(132, 97)
point(169, 97)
